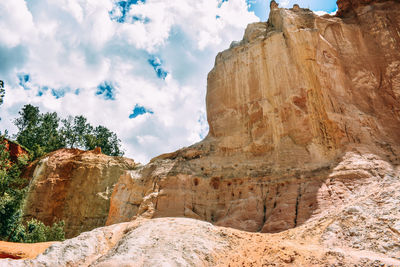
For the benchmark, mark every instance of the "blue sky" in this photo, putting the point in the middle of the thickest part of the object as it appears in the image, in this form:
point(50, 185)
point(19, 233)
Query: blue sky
point(261, 8)
point(137, 67)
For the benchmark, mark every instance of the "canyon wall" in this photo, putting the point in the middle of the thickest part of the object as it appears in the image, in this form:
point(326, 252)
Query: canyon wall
point(300, 111)
point(362, 232)
point(74, 186)
point(304, 117)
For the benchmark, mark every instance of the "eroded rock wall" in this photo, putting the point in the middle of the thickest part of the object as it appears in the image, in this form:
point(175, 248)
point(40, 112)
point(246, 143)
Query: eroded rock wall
point(302, 88)
point(300, 111)
point(74, 186)
point(361, 232)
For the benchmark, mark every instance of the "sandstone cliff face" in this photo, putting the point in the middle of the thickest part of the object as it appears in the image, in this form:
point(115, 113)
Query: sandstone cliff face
point(304, 132)
point(301, 111)
point(362, 231)
point(74, 186)
point(302, 88)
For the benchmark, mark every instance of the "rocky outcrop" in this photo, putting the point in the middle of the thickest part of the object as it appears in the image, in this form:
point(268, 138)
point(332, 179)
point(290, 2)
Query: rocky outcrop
point(176, 242)
point(356, 6)
point(14, 149)
point(304, 140)
point(74, 186)
point(362, 231)
point(300, 111)
point(302, 88)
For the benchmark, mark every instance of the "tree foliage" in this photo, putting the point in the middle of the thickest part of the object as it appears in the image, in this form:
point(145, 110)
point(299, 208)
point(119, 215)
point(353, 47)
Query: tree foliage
point(13, 188)
point(43, 133)
point(38, 132)
point(104, 138)
point(37, 231)
point(12, 192)
point(11, 195)
point(2, 92)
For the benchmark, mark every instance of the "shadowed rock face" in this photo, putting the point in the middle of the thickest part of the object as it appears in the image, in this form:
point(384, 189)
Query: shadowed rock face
point(309, 137)
point(363, 231)
point(15, 150)
point(300, 111)
point(74, 186)
point(353, 6)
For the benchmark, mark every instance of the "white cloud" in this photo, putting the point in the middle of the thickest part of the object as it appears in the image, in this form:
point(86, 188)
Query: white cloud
point(321, 13)
point(284, 3)
point(74, 44)
point(17, 25)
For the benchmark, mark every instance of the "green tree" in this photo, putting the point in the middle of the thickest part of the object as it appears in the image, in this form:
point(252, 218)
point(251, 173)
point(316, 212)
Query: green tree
point(42, 133)
point(27, 124)
point(49, 136)
point(81, 129)
point(67, 133)
point(29, 118)
point(37, 231)
point(12, 192)
point(2, 92)
point(38, 132)
point(74, 130)
point(104, 138)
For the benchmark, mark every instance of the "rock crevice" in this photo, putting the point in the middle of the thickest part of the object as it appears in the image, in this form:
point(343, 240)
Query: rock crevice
point(285, 106)
point(74, 186)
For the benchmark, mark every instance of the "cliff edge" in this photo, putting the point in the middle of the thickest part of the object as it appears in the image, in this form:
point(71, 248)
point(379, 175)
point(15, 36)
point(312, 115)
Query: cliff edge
point(300, 110)
point(304, 144)
point(74, 186)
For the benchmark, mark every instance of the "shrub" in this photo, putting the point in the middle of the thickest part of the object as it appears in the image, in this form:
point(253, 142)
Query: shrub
point(37, 231)
point(12, 192)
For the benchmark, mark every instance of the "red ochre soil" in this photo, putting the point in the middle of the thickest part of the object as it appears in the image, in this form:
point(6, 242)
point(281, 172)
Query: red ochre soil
point(22, 251)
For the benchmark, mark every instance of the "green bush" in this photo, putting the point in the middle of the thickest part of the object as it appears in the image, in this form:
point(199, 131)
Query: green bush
point(36, 231)
point(12, 192)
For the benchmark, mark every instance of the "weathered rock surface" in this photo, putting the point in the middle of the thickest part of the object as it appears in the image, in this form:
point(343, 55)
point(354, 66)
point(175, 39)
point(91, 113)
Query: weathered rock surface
point(14, 149)
point(74, 186)
point(349, 6)
point(176, 242)
point(300, 109)
point(304, 118)
point(362, 231)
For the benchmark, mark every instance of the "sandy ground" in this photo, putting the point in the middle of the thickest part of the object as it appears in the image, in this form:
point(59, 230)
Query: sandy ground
point(22, 251)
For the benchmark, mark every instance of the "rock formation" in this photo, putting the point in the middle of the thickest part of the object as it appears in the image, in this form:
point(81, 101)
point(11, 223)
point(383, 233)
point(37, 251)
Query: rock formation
point(74, 186)
point(300, 111)
point(363, 231)
point(304, 144)
point(15, 150)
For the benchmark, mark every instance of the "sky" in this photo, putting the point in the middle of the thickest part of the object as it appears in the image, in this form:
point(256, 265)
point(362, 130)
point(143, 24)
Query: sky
point(136, 67)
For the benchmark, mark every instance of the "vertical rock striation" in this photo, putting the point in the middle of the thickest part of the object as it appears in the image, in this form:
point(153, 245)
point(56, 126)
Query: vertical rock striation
point(304, 118)
point(301, 110)
point(74, 186)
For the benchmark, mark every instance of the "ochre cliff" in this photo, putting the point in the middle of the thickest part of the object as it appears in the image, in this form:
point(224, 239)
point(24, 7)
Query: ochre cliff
point(363, 231)
point(301, 89)
point(74, 186)
point(304, 144)
point(300, 111)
